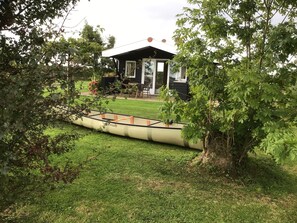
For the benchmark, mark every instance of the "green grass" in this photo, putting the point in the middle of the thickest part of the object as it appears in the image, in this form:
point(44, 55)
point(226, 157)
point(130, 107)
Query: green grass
point(142, 108)
point(145, 108)
point(148, 109)
point(129, 180)
point(126, 180)
point(83, 86)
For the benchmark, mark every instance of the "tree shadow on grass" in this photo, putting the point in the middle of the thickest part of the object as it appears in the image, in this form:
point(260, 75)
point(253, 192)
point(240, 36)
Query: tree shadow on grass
point(19, 191)
point(268, 177)
point(260, 174)
point(275, 183)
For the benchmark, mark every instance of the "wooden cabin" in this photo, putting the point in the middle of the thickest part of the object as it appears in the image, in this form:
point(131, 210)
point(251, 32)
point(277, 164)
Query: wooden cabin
point(149, 63)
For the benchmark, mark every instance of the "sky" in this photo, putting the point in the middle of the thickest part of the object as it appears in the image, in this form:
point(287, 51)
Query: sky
point(128, 20)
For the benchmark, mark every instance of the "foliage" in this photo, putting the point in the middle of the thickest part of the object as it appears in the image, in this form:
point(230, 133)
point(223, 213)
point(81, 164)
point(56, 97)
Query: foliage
point(241, 59)
point(172, 107)
point(85, 51)
point(34, 88)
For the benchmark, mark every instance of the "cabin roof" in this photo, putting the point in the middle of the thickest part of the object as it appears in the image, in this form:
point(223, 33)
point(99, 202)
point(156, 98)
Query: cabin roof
point(139, 46)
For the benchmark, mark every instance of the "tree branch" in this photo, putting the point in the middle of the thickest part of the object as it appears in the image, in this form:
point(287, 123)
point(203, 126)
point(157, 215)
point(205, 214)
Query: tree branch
point(265, 31)
point(63, 22)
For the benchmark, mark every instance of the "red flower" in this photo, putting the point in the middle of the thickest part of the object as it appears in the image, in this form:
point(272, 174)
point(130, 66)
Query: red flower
point(93, 86)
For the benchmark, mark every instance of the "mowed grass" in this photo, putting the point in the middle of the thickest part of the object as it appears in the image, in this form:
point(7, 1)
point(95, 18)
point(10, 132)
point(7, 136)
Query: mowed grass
point(126, 180)
point(143, 108)
point(82, 86)
point(147, 109)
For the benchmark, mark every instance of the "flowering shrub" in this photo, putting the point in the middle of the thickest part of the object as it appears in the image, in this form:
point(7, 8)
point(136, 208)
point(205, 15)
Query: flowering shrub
point(93, 87)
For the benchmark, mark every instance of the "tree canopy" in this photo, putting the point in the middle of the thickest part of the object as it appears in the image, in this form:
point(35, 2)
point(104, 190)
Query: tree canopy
point(84, 52)
point(242, 68)
point(29, 82)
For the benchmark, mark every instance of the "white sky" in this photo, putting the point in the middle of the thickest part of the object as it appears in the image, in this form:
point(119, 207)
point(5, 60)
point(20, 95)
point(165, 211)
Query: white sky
point(128, 20)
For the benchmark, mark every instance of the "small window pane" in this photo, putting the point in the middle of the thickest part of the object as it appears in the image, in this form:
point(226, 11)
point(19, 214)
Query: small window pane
point(148, 72)
point(183, 73)
point(130, 68)
point(173, 74)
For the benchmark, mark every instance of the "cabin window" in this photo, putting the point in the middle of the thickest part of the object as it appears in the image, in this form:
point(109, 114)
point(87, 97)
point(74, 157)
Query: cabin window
point(177, 74)
point(183, 74)
point(130, 69)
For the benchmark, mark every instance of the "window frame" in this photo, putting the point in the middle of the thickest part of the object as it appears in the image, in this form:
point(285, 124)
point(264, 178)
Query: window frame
point(126, 69)
point(177, 74)
point(183, 68)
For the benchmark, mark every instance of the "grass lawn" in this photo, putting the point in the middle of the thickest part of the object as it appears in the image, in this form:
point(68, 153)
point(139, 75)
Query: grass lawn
point(126, 180)
point(148, 109)
point(129, 180)
point(142, 108)
point(83, 86)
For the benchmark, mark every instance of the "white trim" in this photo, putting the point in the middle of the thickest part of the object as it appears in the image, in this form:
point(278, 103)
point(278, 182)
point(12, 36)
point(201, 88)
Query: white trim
point(155, 74)
point(142, 71)
point(152, 90)
point(168, 73)
point(139, 45)
point(180, 73)
point(177, 75)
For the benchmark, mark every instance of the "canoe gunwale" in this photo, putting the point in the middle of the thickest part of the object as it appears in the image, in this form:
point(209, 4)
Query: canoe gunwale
point(109, 121)
point(136, 125)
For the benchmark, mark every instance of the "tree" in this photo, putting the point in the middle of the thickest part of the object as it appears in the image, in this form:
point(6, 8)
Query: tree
point(28, 86)
point(91, 44)
point(242, 68)
point(84, 53)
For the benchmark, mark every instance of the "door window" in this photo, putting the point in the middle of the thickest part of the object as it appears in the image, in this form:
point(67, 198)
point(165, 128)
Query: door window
point(148, 73)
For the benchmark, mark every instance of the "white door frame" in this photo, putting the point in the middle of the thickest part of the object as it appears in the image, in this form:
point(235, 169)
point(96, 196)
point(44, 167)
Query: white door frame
point(152, 90)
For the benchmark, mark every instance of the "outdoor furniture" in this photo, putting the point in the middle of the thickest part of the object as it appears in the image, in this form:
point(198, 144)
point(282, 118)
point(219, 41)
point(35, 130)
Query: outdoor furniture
point(129, 89)
point(146, 89)
point(143, 89)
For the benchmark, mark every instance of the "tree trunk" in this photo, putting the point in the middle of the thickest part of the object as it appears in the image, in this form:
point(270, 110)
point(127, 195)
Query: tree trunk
point(222, 153)
point(218, 154)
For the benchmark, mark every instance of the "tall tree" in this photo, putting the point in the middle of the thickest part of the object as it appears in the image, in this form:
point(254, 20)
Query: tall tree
point(242, 67)
point(28, 87)
point(85, 51)
point(91, 46)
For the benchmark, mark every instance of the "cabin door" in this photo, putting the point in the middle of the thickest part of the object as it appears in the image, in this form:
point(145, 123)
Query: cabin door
point(155, 74)
point(161, 75)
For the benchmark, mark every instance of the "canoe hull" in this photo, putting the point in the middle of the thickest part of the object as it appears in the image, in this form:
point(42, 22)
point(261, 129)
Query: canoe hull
point(162, 134)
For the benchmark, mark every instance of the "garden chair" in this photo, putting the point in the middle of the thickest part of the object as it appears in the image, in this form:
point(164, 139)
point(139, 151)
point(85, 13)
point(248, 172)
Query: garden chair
point(143, 89)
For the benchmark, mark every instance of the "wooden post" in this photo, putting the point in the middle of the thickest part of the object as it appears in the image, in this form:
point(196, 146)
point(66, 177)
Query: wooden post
point(115, 117)
point(102, 116)
point(131, 119)
point(148, 122)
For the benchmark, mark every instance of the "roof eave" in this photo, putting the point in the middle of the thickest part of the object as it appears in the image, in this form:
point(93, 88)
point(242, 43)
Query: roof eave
point(138, 46)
